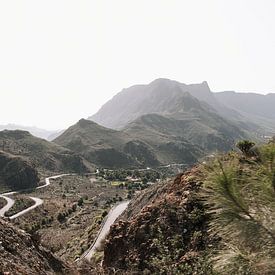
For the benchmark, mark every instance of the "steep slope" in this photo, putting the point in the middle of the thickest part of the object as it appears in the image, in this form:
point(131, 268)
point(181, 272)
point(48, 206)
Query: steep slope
point(160, 96)
point(106, 147)
point(16, 173)
point(164, 231)
point(42, 154)
point(216, 218)
point(189, 136)
point(20, 254)
point(187, 132)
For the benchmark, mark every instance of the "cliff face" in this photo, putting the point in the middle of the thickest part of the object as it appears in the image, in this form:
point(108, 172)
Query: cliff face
point(20, 254)
point(167, 234)
point(16, 173)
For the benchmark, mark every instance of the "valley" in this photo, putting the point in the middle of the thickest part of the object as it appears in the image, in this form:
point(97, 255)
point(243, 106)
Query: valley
point(69, 210)
point(132, 191)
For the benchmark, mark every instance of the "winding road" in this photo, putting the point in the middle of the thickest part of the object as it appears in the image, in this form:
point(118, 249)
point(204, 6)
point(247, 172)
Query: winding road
point(38, 201)
point(9, 205)
point(114, 213)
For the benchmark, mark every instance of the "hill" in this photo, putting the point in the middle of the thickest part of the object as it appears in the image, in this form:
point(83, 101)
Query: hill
point(16, 173)
point(216, 218)
point(20, 254)
point(106, 147)
point(41, 154)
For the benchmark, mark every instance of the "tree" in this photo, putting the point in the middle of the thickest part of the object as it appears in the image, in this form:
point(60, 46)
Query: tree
point(239, 198)
point(245, 146)
point(60, 217)
point(80, 202)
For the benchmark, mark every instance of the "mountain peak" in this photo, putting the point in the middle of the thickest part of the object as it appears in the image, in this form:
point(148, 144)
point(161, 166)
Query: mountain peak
point(85, 123)
point(205, 84)
point(161, 80)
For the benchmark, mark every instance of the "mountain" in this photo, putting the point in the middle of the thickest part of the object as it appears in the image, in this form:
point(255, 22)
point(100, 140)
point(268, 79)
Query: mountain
point(256, 107)
point(16, 173)
point(205, 130)
point(159, 97)
point(152, 140)
point(179, 122)
point(42, 154)
point(168, 146)
point(38, 132)
point(106, 147)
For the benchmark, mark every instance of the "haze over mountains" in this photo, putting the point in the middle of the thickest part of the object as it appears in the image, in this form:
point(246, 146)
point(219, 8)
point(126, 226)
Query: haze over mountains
point(38, 132)
point(137, 100)
point(157, 124)
point(144, 126)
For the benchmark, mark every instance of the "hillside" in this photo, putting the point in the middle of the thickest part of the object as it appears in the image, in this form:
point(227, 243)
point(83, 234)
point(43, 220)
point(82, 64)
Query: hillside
point(192, 122)
point(216, 218)
point(106, 147)
point(16, 173)
point(20, 254)
point(42, 154)
point(256, 107)
point(160, 96)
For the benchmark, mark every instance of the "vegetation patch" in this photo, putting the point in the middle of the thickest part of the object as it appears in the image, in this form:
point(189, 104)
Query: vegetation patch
point(239, 193)
point(21, 202)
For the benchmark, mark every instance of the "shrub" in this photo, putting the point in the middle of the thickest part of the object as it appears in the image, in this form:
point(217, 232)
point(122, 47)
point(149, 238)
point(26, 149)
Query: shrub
point(245, 146)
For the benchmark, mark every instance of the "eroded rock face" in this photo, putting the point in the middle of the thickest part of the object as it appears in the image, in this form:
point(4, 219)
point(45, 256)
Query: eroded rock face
point(168, 234)
point(16, 173)
point(21, 254)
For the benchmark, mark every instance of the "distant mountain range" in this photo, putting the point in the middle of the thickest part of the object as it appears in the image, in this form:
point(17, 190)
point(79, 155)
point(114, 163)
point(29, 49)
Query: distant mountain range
point(38, 132)
point(251, 112)
point(161, 123)
point(156, 124)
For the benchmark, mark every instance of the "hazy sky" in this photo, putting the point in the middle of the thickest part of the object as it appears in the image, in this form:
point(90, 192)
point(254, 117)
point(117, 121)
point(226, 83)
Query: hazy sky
point(61, 60)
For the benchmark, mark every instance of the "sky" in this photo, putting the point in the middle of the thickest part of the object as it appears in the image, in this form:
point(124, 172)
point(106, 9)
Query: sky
point(61, 60)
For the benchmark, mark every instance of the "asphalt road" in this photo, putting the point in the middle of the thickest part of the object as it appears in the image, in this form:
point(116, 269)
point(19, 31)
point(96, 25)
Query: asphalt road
point(114, 213)
point(10, 202)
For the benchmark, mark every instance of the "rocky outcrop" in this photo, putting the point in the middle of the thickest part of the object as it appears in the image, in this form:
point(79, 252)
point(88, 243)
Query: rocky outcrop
point(21, 254)
point(168, 235)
